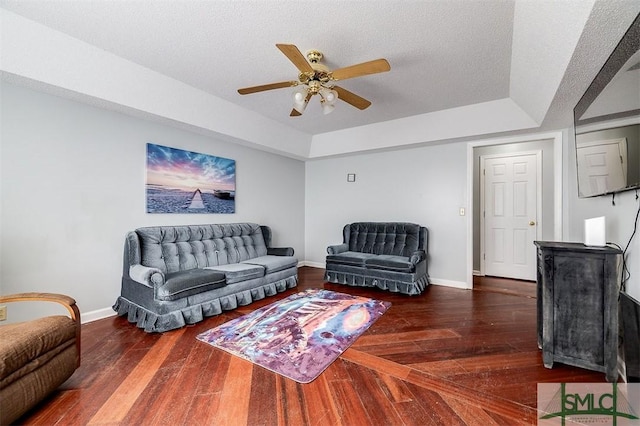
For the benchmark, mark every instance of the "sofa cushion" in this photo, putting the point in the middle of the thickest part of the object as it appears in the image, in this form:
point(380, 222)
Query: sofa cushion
point(185, 283)
point(237, 272)
point(390, 263)
point(273, 263)
point(352, 258)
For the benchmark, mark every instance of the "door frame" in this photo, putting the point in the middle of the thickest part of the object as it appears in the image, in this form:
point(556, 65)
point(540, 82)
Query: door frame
point(558, 171)
point(538, 154)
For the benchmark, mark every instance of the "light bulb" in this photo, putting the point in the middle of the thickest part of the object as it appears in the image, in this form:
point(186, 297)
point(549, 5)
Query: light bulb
point(299, 96)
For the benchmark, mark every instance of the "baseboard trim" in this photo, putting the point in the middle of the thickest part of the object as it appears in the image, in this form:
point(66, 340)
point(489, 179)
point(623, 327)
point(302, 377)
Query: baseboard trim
point(96, 315)
point(312, 264)
point(449, 283)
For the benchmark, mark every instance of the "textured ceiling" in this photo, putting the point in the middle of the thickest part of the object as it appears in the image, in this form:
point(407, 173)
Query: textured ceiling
point(443, 54)
point(526, 62)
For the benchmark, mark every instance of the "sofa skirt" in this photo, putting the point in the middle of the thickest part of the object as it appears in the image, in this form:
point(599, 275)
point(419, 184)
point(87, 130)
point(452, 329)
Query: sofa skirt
point(390, 284)
point(153, 322)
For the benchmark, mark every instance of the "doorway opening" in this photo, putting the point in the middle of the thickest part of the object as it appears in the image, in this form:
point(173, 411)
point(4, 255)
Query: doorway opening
point(549, 202)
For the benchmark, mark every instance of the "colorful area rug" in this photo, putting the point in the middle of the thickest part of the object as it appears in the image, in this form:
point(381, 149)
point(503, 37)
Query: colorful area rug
point(299, 336)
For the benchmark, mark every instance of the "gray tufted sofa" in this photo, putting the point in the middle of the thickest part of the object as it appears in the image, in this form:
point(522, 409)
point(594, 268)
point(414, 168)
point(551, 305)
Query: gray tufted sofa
point(177, 275)
point(388, 255)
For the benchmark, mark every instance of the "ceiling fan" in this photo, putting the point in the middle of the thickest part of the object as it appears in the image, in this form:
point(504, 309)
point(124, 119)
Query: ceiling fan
point(315, 78)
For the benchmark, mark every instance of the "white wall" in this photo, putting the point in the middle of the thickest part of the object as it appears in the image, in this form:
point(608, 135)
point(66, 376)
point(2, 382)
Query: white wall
point(73, 183)
point(424, 185)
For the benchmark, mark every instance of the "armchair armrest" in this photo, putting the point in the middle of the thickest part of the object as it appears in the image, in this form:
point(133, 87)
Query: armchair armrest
point(148, 276)
point(418, 256)
point(280, 251)
point(68, 302)
point(337, 249)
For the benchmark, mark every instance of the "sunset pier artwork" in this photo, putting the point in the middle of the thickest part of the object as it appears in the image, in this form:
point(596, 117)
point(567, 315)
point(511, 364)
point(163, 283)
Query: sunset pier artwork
point(181, 181)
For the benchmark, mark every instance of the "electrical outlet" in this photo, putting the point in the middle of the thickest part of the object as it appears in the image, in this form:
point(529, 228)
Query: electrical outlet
point(3, 313)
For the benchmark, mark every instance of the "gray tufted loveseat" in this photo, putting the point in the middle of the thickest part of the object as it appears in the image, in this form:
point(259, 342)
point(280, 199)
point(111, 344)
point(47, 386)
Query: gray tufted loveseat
point(388, 255)
point(177, 275)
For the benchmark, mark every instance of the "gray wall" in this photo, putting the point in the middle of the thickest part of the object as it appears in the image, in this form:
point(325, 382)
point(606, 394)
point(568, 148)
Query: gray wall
point(73, 183)
point(546, 146)
point(425, 185)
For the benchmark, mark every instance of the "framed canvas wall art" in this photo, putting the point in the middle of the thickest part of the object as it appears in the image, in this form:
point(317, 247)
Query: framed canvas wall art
point(180, 181)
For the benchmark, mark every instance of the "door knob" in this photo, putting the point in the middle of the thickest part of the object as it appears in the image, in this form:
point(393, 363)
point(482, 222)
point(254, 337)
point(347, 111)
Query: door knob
point(531, 223)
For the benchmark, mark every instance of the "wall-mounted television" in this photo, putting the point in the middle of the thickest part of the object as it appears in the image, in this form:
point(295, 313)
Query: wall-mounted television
point(607, 123)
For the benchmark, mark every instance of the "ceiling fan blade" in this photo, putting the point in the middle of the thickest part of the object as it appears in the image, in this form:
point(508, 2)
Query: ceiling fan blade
point(352, 98)
point(365, 68)
point(294, 113)
point(262, 88)
point(295, 56)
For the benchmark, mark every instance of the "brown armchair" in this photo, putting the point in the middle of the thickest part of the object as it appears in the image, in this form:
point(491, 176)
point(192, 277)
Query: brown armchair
point(36, 356)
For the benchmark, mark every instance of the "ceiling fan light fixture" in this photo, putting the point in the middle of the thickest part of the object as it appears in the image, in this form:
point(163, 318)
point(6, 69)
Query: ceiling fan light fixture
point(317, 78)
point(327, 107)
point(300, 107)
point(300, 99)
point(300, 95)
point(329, 95)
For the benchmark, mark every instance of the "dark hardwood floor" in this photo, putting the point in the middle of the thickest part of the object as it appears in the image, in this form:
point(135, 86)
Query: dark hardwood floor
point(447, 357)
point(505, 285)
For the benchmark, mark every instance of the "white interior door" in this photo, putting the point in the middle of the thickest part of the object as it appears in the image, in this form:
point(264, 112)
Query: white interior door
point(511, 214)
point(602, 166)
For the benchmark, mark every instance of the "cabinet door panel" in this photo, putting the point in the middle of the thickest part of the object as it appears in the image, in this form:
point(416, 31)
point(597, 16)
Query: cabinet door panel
point(579, 307)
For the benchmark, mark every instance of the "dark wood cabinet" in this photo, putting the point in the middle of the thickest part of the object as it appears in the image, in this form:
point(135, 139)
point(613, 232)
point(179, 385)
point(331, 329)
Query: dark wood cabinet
point(577, 294)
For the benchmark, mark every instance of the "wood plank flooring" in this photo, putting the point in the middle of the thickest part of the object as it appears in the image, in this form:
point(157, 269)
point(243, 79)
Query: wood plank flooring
point(505, 285)
point(447, 357)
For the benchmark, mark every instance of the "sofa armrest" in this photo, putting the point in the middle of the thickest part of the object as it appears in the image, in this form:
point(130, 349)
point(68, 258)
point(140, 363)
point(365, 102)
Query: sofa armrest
point(418, 256)
point(337, 249)
point(150, 277)
point(280, 251)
